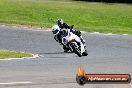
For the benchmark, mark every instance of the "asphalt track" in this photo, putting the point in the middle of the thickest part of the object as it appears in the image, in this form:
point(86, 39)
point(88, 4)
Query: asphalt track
point(56, 69)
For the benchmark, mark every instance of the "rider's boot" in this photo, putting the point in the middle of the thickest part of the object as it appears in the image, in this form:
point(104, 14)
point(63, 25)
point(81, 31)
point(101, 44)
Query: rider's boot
point(65, 48)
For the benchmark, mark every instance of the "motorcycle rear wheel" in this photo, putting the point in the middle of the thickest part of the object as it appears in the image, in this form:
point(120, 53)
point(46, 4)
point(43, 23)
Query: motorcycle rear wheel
point(84, 53)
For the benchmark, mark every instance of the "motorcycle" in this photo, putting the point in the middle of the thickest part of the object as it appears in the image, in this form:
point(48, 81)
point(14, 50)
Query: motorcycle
point(73, 42)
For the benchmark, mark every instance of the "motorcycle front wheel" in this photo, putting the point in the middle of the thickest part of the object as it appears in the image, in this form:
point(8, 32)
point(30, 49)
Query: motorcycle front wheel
point(76, 50)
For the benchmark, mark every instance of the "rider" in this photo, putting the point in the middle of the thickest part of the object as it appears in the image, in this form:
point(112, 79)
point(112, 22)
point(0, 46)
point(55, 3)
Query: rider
point(58, 36)
point(57, 33)
point(62, 25)
point(56, 29)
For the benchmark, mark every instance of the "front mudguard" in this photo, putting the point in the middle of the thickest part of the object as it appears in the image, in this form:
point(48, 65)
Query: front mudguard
point(75, 48)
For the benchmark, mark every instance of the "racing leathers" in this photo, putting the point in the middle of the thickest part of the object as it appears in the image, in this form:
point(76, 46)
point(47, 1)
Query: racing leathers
point(60, 34)
point(76, 32)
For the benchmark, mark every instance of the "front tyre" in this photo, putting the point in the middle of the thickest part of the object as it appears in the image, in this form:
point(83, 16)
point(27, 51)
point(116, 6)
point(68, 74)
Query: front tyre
point(75, 49)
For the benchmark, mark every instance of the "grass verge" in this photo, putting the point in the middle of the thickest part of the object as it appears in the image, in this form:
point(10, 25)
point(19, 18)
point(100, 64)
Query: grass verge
point(101, 17)
point(4, 54)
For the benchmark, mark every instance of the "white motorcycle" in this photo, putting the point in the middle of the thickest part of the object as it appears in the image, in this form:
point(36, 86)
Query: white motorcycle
point(73, 42)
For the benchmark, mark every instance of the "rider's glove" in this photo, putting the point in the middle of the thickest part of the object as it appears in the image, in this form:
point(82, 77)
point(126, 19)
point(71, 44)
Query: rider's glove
point(55, 37)
point(72, 26)
point(78, 33)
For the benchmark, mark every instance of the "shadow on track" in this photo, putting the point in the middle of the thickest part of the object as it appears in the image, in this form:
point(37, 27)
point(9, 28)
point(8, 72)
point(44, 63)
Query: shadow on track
point(55, 54)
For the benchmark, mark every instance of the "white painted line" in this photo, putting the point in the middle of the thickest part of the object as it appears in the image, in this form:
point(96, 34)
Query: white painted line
point(124, 34)
point(3, 25)
point(33, 57)
point(105, 33)
point(41, 55)
point(14, 26)
point(83, 32)
point(94, 33)
point(14, 83)
point(108, 34)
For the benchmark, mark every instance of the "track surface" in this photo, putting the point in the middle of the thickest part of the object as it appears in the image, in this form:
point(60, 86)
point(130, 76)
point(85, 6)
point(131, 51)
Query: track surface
point(55, 69)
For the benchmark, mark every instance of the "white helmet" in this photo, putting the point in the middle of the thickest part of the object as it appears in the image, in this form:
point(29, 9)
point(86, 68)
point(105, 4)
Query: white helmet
point(59, 21)
point(55, 29)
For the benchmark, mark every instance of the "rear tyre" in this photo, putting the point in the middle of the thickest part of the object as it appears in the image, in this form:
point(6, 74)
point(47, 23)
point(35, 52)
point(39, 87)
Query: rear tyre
point(76, 50)
point(85, 53)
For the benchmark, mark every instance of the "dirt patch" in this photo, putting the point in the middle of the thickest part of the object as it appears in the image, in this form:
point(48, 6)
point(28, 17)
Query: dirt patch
point(33, 27)
point(29, 26)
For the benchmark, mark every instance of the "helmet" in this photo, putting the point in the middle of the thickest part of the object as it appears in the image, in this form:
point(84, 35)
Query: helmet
point(55, 29)
point(59, 21)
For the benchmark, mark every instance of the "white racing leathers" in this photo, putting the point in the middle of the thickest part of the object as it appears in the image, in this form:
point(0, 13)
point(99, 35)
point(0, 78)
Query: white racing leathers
point(73, 42)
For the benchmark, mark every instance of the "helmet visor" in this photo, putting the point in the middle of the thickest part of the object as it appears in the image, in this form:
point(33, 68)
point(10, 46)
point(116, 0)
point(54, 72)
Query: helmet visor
point(55, 32)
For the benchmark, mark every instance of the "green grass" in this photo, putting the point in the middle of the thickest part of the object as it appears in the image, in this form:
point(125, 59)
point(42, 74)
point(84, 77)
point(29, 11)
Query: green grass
point(101, 17)
point(4, 54)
